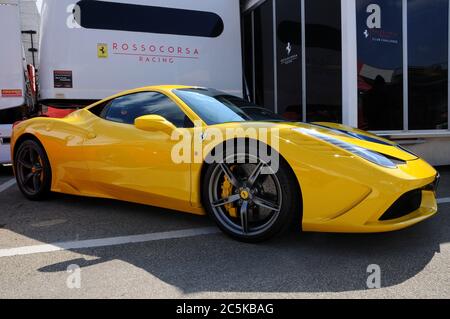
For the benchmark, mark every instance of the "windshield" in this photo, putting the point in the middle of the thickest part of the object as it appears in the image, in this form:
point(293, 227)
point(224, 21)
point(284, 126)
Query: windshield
point(215, 107)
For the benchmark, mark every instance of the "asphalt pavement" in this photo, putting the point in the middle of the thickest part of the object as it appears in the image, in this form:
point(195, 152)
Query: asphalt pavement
point(72, 247)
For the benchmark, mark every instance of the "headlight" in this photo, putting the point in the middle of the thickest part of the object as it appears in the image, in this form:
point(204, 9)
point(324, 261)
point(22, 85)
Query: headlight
point(368, 155)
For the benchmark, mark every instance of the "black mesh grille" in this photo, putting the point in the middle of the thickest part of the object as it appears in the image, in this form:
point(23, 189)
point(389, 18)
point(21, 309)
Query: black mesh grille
point(433, 186)
point(405, 205)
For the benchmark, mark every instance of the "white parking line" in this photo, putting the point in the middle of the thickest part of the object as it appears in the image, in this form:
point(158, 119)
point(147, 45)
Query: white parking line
point(113, 241)
point(443, 200)
point(8, 184)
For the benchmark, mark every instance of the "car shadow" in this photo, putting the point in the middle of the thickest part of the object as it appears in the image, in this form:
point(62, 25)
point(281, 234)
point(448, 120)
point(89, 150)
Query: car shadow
point(293, 263)
point(307, 262)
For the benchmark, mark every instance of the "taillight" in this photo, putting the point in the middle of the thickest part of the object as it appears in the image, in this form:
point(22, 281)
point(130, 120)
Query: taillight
point(16, 123)
point(32, 78)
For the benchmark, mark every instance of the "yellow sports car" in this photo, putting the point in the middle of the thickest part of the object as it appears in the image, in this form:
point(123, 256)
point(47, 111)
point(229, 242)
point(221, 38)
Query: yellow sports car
point(203, 151)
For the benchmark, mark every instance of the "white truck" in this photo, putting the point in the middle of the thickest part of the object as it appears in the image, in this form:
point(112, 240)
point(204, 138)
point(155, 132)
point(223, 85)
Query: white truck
point(92, 49)
point(12, 76)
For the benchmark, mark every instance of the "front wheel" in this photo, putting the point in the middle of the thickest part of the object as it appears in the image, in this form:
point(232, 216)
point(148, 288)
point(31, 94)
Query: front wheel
point(251, 202)
point(32, 169)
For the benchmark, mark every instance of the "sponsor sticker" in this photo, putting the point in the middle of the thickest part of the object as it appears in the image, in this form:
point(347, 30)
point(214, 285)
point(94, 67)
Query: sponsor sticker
point(12, 93)
point(63, 79)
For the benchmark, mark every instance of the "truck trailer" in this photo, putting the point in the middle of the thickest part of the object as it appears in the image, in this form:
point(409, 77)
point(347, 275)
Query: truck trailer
point(93, 49)
point(12, 76)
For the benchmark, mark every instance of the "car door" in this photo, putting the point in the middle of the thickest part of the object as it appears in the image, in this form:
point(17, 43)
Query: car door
point(135, 165)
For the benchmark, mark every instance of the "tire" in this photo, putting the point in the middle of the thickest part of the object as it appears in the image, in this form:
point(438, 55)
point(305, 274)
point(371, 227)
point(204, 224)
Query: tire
point(32, 170)
point(273, 204)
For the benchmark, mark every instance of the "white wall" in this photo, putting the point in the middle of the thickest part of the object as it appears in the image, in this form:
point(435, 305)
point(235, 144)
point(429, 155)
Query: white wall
point(30, 21)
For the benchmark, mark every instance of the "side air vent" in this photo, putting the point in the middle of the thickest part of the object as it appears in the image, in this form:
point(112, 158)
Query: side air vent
point(405, 205)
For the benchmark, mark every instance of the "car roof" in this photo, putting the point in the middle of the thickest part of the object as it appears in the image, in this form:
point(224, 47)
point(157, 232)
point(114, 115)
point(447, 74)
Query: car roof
point(166, 88)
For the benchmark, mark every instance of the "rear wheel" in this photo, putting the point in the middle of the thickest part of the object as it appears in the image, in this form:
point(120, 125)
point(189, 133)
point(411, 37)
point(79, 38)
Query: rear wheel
point(33, 172)
point(247, 204)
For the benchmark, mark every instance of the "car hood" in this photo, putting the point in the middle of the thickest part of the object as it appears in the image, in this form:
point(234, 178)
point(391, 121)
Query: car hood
point(297, 133)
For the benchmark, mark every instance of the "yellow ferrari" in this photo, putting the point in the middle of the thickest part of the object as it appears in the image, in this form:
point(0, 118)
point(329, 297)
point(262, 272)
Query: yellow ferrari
point(199, 150)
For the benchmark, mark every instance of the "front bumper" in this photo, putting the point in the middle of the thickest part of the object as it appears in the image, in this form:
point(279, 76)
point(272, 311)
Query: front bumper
point(395, 202)
point(426, 209)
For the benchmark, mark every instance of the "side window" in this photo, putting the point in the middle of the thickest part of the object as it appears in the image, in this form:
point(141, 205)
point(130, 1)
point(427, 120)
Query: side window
point(126, 109)
point(99, 109)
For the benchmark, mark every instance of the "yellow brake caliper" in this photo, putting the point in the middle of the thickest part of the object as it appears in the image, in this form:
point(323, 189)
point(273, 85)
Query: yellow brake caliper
point(227, 191)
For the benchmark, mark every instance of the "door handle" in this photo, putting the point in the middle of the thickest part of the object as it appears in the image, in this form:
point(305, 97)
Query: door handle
point(91, 135)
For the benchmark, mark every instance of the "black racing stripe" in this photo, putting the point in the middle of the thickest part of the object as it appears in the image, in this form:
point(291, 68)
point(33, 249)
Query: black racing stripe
point(356, 135)
point(366, 138)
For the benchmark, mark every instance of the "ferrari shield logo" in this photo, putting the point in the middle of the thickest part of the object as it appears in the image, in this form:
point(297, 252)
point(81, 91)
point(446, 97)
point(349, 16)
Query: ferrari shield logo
point(102, 50)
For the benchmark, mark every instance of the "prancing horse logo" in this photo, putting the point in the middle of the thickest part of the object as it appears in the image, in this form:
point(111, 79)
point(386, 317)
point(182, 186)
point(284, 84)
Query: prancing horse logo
point(289, 48)
point(102, 50)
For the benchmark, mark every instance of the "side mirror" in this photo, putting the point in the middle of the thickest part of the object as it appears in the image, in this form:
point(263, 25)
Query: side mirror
point(154, 123)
